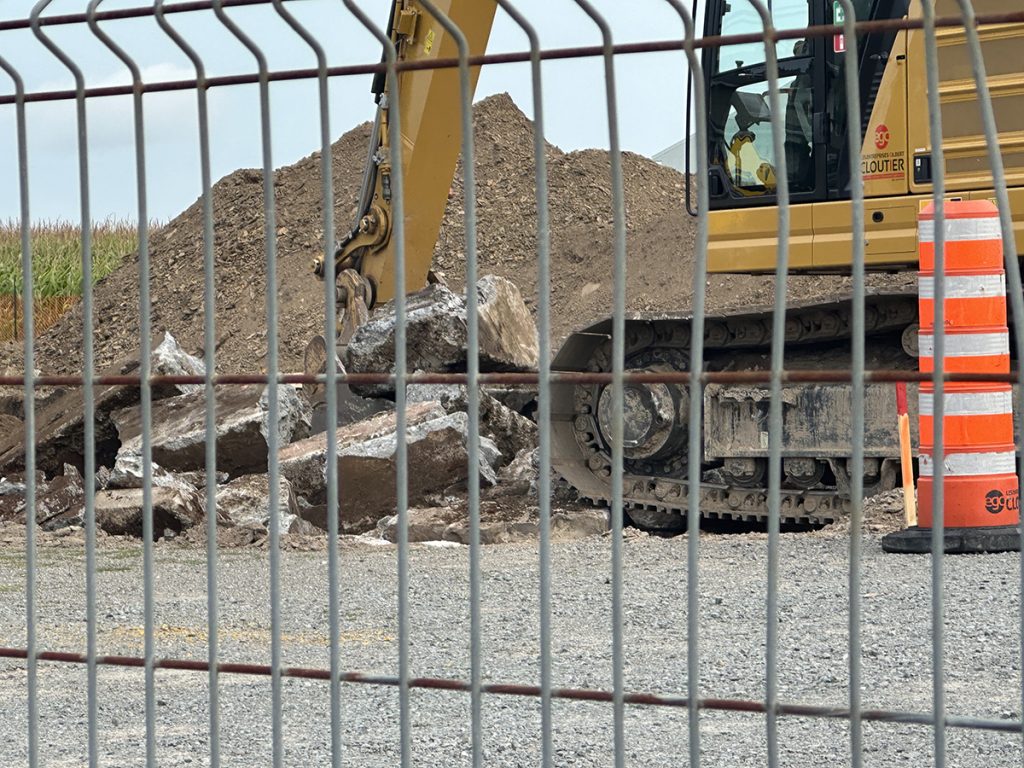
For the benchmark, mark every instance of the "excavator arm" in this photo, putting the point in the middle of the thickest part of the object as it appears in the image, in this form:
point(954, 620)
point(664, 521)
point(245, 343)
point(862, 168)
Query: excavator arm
point(430, 104)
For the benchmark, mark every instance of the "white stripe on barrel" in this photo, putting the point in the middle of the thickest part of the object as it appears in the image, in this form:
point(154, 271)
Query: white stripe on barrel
point(967, 344)
point(971, 464)
point(961, 230)
point(969, 403)
point(964, 286)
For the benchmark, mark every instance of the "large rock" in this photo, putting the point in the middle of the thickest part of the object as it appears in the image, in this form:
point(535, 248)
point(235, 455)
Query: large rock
point(437, 333)
point(60, 420)
point(127, 473)
point(508, 335)
point(119, 512)
point(169, 359)
point(367, 471)
point(59, 503)
point(510, 432)
point(179, 428)
point(245, 501)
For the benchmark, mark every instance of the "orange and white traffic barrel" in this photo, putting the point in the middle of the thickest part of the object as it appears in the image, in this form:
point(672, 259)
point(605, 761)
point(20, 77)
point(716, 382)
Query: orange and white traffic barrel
point(981, 494)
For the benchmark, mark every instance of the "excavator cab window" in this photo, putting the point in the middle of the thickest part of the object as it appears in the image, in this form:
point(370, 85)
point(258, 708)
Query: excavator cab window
point(743, 161)
point(741, 154)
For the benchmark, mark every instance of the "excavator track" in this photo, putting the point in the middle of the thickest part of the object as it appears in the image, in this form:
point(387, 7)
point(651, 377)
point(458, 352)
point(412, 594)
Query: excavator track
point(655, 490)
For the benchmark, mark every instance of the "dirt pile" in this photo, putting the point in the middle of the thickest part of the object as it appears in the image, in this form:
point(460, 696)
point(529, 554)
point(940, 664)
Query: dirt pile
point(659, 250)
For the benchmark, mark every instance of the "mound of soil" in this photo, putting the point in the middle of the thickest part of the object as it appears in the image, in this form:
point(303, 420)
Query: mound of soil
point(660, 238)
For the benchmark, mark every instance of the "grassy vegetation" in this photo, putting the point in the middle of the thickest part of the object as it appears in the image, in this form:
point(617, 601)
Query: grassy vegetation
point(57, 255)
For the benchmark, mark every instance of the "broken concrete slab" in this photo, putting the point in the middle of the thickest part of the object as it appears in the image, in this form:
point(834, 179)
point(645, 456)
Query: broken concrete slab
point(508, 335)
point(579, 523)
point(303, 462)
point(521, 399)
point(179, 428)
point(245, 501)
point(508, 430)
point(169, 359)
point(315, 514)
point(521, 477)
point(292, 414)
point(60, 419)
point(12, 500)
point(437, 334)
point(61, 502)
point(367, 469)
point(127, 473)
point(119, 512)
point(497, 532)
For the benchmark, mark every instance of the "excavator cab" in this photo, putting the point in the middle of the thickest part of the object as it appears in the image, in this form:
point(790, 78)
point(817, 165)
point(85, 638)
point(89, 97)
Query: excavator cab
point(743, 166)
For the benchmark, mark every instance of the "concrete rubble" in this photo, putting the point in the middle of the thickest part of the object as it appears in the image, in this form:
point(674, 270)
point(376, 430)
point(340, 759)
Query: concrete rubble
point(60, 420)
point(367, 462)
point(127, 473)
point(437, 334)
point(521, 477)
point(245, 501)
point(366, 438)
point(509, 431)
point(450, 524)
point(179, 428)
point(119, 511)
point(61, 502)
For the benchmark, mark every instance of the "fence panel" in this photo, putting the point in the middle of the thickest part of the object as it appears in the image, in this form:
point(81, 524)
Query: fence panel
point(607, 379)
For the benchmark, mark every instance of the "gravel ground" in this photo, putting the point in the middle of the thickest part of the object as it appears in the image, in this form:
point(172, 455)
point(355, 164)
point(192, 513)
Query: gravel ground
point(982, 642)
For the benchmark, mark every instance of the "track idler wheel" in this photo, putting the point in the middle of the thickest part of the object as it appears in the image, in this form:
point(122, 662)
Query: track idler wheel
point(655, 418)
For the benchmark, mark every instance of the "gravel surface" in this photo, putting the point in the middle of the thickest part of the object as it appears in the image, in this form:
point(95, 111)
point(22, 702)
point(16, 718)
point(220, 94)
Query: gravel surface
point(982, 642)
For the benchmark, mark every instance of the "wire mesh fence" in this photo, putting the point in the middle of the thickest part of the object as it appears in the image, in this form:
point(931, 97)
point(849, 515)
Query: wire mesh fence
point(616, 419)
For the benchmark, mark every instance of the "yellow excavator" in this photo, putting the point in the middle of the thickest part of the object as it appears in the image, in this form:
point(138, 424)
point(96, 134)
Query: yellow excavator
point(896, 160)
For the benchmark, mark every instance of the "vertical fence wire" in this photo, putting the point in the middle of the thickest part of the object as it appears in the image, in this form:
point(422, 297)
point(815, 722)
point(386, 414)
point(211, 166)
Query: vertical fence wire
point(1015, 287)
point(210, 362)
point(28, 409)
point(330, 376)
point(401, 373)
point(472, 379)
point(618, 371)
point(544, 378)
point(858, 343)
point(696, 404)
point(145, 390)
point(89, 429)
point(777, 367)
point(938, 385)
point(272, 391)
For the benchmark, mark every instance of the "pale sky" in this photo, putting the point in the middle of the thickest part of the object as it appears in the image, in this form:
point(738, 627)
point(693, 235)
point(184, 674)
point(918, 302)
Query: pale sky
point(651, 95)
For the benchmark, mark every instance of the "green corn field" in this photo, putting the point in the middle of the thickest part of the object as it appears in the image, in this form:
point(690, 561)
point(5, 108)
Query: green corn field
point(56, 267)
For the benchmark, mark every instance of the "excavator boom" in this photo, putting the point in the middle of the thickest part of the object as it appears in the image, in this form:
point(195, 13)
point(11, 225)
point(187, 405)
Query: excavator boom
point(429, 102)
